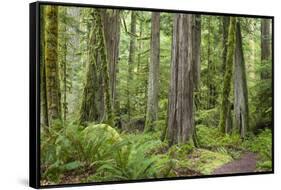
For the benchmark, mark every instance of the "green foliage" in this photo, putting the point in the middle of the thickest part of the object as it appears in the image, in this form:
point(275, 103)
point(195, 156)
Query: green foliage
point(100, 147)
point(261, 144)
point(74, 148)
point(210, 137)
point(180, 151)
point(56, 153)
point(99, 152)
point(209, 117)
point(261, 109)
point(133, 160)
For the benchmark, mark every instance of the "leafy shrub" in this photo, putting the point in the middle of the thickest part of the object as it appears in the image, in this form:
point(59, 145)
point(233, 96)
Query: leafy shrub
point(57, 153)
point(74, 147)
point(209, 137)
point(132, 161)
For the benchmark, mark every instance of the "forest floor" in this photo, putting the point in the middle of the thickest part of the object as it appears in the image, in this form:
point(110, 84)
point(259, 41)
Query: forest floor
point(246, 164)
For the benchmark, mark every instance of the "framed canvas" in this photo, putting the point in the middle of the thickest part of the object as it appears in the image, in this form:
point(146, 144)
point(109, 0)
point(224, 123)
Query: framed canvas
point(125, 94)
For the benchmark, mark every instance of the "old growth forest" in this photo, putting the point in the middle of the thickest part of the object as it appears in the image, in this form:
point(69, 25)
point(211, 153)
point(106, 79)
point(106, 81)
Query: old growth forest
point(129, 95)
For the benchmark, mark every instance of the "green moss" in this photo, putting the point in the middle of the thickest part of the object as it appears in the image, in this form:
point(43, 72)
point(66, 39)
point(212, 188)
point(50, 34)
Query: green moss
point(228, 74)
point(205, 161)
point(53, 94)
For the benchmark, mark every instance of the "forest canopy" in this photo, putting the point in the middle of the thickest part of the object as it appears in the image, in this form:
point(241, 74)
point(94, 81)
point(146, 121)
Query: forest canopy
point(129, 95)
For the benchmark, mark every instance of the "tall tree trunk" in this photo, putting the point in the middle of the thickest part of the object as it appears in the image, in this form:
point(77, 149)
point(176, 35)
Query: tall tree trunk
point(111, 27)
point(225, 104)
point(240, 87)
point(62, 40)
point(43, 95)
point(180, 115)
point(131, 61)
point(265, 44)
point(153, 80)
point(196, 53)
point(209, 82)
point(51, 65)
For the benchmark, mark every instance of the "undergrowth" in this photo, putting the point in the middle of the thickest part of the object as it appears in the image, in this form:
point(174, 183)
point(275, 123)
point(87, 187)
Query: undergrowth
point(105, 155)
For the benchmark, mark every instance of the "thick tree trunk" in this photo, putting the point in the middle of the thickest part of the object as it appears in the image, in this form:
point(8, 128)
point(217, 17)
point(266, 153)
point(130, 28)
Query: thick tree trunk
point(180, 115)
point(96, 102)
point(131, 61)
point(265, 44)
point(111, 29)
point(225, 104)
point(153, 80)
point(92, 107)
point(51, 65)
point(240, 87)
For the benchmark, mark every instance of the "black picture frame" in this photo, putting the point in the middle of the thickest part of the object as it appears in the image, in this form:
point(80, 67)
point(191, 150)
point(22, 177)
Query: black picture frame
point(34, 92)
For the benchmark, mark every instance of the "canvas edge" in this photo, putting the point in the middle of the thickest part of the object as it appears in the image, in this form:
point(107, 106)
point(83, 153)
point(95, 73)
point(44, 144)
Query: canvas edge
point(34, 93)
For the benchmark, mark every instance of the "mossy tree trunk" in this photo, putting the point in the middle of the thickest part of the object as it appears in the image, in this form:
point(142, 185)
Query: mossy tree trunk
point(225, 113)
point(51, 65)
point(96, 101)
point(241, 109)
point(153, 78)
point(43, 95)
point(62, 43)
point(180, 111)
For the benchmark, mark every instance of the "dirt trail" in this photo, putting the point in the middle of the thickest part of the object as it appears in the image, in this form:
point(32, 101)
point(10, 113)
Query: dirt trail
point(247, 163)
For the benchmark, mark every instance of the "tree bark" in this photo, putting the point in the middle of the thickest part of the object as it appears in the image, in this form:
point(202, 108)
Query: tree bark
point(153, 80)
point(196, 37)
point(111, 28)
point(180, 115)
point(96, 103)
point(51, 65)
point(196, 54)
point(225, 104)
point(240, 87)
